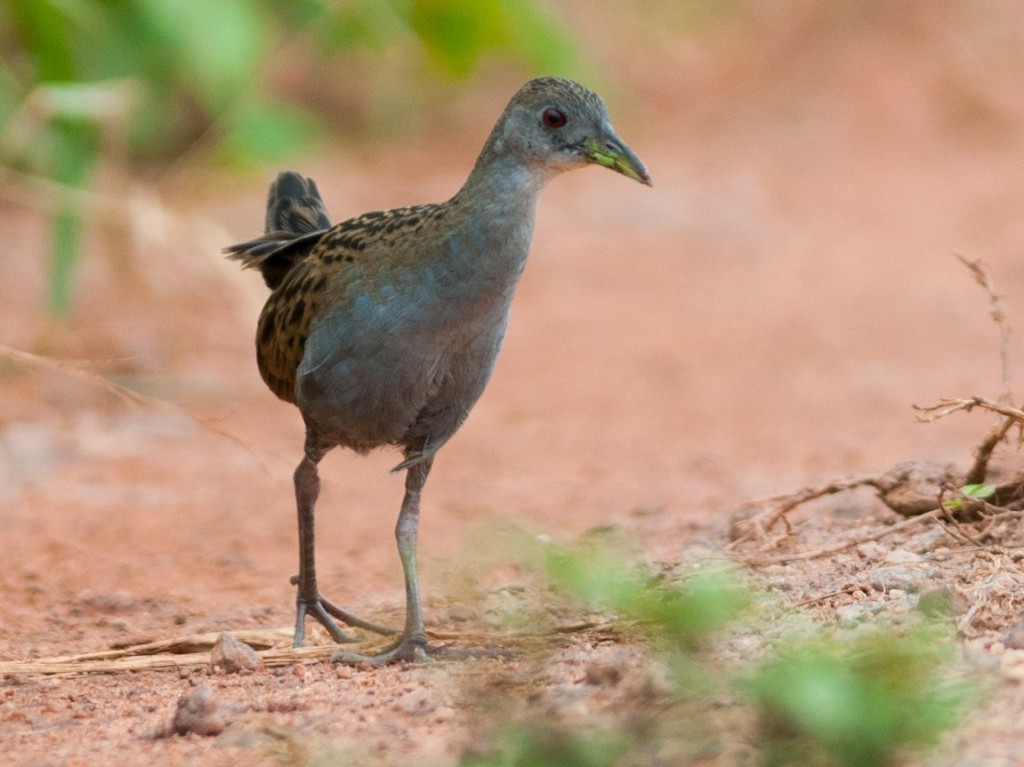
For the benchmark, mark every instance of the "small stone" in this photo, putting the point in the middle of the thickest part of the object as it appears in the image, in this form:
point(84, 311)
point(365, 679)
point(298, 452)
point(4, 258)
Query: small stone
point(901, 557)
point(871, 550)
point(299, 670)
point(343, 671)
point(852, 615)
point(233, 656)
point(926, 541)
point(913, 488)
point(898, 577)
point(197, 713)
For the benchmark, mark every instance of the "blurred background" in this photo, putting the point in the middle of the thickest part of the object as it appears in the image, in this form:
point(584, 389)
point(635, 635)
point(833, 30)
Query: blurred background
point(762, 319)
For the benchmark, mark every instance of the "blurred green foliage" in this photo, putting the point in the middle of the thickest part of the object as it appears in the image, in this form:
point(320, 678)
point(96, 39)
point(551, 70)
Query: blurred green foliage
point(859, 703)
point(683, 616)
point(812, 695)
point(524, 746)
point(148, 79)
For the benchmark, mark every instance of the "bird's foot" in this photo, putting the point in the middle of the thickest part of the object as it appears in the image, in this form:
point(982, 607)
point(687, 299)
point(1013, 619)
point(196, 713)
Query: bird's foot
point(324, 611)
point(410, 650)
point(406, 650)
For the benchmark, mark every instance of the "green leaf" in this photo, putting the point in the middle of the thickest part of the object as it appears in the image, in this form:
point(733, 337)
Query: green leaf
point(978, 491)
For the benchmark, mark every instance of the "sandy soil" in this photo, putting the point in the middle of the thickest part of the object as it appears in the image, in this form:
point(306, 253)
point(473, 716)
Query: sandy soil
point(762, 320)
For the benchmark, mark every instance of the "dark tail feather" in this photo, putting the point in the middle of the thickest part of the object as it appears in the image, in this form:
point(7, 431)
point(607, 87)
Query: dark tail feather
point(296, 219)
point(294, 205)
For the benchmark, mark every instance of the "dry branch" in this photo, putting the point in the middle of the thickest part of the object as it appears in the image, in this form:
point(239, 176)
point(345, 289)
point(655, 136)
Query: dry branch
point(760, 523)
point(193, 652)
point(81, 370)
point(84, 371)
point(1012, 417)
point(830, 550)
point(945, 407)
point(980, 273)
point(915, 489)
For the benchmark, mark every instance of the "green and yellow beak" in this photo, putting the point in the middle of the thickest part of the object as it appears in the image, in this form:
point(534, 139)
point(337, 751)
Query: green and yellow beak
point(612, 152)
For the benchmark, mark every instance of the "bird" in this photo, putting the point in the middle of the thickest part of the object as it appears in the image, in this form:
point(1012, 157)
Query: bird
point(384, 329)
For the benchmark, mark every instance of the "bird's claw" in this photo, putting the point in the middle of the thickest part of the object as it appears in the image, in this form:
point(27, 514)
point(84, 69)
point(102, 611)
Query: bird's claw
point(315, 609)
point(324, 611)
point(407, 650)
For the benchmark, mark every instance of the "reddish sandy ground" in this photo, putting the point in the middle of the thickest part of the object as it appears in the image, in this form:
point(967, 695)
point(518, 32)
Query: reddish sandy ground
point(762, 319)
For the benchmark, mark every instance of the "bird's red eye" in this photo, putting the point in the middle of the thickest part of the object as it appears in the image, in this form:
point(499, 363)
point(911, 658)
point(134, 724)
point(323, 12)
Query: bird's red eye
point(554, 118)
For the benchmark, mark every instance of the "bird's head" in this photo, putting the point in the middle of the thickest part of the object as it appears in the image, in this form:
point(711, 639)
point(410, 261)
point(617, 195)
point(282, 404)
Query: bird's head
point(558, 124)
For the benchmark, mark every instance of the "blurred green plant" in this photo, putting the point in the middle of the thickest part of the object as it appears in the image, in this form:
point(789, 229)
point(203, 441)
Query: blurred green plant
point(860, 703)
point(522, 745)
point(810, 698)
point(164, 74)
point(684, 615)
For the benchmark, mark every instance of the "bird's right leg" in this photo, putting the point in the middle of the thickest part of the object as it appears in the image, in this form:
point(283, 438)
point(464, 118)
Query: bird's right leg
point(309, 601)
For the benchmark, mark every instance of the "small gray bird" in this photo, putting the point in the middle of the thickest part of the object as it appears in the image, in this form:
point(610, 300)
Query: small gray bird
point(384, 329)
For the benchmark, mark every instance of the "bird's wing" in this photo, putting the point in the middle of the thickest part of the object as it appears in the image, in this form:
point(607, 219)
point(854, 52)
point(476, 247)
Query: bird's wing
point(354, 250)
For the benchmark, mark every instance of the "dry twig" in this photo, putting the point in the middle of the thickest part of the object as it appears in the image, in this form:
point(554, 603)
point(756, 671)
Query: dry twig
point(981, 276)
point(193, 652)
point(760, 523)
point(1011, 416)
point(830, 550)
point(945, 407)
point(83, 370)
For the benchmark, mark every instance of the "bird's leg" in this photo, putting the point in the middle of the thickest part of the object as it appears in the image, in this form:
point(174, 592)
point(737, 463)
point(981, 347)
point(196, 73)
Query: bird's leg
point(412, 644)
point(406, 531)
point(309, 601)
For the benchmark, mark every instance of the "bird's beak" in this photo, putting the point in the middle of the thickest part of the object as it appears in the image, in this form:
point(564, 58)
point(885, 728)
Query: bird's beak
point(612, 152)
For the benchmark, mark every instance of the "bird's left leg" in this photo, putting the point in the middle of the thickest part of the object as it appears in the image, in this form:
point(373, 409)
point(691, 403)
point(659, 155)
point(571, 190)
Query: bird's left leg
point(412, 644)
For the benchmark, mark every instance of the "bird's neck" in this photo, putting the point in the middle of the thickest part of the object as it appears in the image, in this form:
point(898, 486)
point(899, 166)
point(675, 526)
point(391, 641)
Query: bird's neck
point(498, 201)
point(502, 185)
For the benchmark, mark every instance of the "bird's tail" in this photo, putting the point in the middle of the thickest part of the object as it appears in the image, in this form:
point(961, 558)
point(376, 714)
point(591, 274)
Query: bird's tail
point(296, 219)
point(294, 205)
